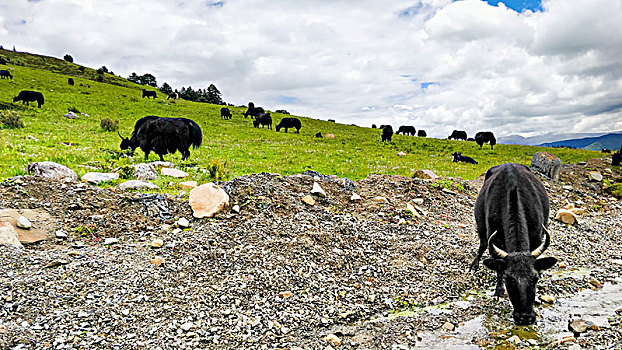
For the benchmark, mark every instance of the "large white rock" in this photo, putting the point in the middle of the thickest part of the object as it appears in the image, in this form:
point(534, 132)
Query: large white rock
point(95, 178)
point(137, 185)
point(51, 170)
point(144, 171)
point(208, 200)
point(173, 172)
point(8, 235)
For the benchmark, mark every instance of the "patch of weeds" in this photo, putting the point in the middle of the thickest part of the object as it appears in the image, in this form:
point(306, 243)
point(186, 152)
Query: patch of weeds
point(11, 119)
point(109, 125)
point(218, 169)
point(126, 172)
point(614, 189)
point(84, 230)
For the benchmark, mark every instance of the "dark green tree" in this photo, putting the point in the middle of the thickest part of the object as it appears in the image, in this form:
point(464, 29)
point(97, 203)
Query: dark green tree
point(134, 78)
point(166, 89)
point(148, 79)
point(214, 96)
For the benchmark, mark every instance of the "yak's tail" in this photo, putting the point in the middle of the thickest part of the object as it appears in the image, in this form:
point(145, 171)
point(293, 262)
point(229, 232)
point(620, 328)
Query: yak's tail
point(196, 135)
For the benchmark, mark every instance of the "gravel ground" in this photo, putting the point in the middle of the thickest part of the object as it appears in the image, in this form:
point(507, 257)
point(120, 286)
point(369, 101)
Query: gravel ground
point(282, 274)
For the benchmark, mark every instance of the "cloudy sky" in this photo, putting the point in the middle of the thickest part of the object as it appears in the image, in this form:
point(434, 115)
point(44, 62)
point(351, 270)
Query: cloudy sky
point(513, 67)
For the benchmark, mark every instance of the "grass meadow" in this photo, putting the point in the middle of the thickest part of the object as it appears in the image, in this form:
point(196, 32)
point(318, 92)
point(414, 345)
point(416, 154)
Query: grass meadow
point(233, 147)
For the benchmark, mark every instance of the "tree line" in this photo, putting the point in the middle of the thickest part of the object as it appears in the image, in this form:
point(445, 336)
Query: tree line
point(209, 95)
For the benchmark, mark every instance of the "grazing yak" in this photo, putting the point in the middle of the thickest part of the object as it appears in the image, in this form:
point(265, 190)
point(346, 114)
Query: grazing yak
point(406, 130)
point(470, 139)
point(164, 136)
point(511, 214)
point(27, 96)
point(263, 119)
point(253, 111)
point(5, 74)
point(422, 133)
point(282, 111)
point(174, 96)
point(387, 133)
point(605, 150)
point(70, 81)
point(289, 123)
point(458, 157)
point(147, 94)
point(319, 135)
point(616, 157)
point(373, 126)
point(225, 113)
point(485, 136)
point(458, 135)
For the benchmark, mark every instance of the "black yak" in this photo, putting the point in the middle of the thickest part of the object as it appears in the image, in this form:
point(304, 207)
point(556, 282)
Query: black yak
point(253, 111)
point(616, 157)
point(27, 96)
point(485, 136)
point(289, 123)
point(511, 213)
point(225, 113)
point(70, 81)
point(147, 94)
point(422, 133)
point(5, 74)
point(264, 119)
point(387, 133)
point(458, 135)
point(164, 136)
point(174, 96)
point(406, 130)
point(458, 157)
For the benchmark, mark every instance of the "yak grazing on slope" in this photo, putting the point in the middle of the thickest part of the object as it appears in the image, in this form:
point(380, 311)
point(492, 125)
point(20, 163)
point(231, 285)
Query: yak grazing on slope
point(164, 136)
point(253, 111)
point(27, 96)
point(288, 123)
point(511, 213)
point(485, 136)
point(147, 94)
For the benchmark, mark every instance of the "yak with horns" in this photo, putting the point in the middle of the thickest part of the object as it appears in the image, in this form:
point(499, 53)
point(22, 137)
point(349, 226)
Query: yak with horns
point(164, 136)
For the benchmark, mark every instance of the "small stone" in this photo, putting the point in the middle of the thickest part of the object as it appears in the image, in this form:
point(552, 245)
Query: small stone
point(173, 172)
point(594, 176)
point(566, 216)
point(23, 222)
point(579, 326)
point(333, 340)
point(401, 154)
point(355, 197)
point(157, 261)
point(57, 262)
point(417, 201)
point(567, 188)
point(144, 171)
point(595, 283)
point(97, 178)
point(111, 240)
point(157, 243)
point(401, 221)
point(186, 326)
point(188, 185)
point(380, 199)
point(514, 339)
point(425, 174)
point(547, 299)
point(236, 209)
point(308, 200)
point(317, 190)
point(411, 208)
point(60, 234)
point(137, 185)
point(448, 326)
point(183, 223)
point(286, 294)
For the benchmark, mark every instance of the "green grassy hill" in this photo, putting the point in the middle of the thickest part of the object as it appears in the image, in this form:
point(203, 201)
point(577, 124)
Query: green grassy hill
point(83, 145)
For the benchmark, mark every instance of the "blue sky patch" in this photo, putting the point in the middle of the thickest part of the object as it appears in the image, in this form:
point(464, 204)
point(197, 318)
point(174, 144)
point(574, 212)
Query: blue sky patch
point(519, 5)
point(287, 99)
point(425, 85)
point(215, 3)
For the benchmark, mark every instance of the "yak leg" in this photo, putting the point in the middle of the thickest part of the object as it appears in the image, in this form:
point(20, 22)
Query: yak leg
point(499, 292)
point(483, 244)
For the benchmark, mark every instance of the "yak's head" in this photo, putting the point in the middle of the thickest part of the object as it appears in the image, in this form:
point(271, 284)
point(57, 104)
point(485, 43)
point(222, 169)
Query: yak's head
point(457, 156)
point(520, 272)
point(126, 143)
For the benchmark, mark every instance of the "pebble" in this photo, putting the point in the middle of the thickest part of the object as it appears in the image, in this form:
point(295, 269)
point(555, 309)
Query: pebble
point(183, 223)
point(355, 197)
point(157, 243)
point(110, 241)
point(308, 200)
point(317, 190)
point(23, 222)
point(60, 234)
point(448, 326)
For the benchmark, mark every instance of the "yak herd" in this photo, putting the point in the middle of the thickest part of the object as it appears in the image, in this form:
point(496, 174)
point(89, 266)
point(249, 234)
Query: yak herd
point(511, 210)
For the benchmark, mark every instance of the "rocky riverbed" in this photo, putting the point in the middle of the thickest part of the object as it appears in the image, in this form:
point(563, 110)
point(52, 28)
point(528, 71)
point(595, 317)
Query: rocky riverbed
point(123, 270)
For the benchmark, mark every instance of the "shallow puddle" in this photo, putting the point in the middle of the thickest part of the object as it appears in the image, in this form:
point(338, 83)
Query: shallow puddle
point(499, 332)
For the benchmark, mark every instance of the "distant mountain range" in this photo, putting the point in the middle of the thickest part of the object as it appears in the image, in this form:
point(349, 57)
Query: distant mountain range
point(591, 141)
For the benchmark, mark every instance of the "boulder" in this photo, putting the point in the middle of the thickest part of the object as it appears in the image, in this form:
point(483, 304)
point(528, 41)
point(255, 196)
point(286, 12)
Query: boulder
point(208, 200)
point(96, 178)
point(137, 185)
point(425, 174)
point(594, 176)
point(173, 172)
point(547, 164)
point(188, 185)
point(144, 171)
point(51, 170)
point(8, 235)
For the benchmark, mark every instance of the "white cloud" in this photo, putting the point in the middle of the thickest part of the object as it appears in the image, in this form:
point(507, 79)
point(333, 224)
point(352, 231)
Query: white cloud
point(436, 64)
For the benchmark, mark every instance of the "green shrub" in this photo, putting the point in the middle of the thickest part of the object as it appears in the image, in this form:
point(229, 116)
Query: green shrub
point(614, 189)
point(218, 169)
point(11, 119)
point(109, 125)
